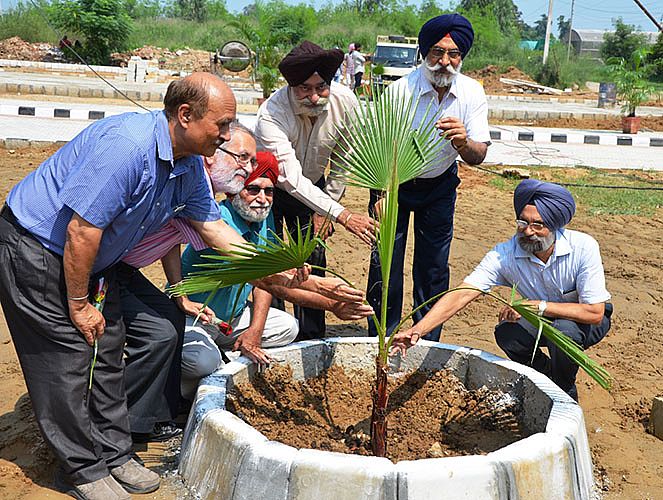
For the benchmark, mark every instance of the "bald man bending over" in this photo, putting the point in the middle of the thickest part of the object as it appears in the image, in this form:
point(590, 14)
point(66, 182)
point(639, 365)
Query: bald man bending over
point(120, 179)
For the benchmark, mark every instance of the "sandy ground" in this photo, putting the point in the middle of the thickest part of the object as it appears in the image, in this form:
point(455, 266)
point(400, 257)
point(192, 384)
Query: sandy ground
point(627, 460)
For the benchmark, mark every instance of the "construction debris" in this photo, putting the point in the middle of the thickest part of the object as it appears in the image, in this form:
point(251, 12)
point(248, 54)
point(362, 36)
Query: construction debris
point(16, 48)
point(526, 85)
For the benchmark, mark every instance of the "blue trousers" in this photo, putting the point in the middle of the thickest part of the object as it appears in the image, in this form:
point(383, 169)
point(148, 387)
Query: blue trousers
point(517, 341)
point(433, 203)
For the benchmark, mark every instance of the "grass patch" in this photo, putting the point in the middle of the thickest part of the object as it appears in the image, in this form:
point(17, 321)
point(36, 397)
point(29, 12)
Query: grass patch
point(616, 198)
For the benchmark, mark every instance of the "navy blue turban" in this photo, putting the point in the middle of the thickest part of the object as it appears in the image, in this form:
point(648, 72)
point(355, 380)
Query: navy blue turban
point(455, 25)
point(308, 58)
point(554, 203)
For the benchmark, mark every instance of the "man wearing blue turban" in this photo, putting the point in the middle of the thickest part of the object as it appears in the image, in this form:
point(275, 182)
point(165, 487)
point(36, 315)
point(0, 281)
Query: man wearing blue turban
point(558, 270)
point(461, 111)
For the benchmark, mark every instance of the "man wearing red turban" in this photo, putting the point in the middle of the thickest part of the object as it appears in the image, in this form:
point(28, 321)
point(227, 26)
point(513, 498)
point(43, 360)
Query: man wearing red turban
point(300, 124)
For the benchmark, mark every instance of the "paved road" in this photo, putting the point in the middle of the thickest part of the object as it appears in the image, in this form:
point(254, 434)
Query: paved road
point(505, 153)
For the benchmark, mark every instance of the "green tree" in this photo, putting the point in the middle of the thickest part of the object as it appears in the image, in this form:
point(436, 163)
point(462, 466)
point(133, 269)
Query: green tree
point(655, 59)
point(193, 10)
point(563, 27)
point(623, 42)
point(104, 24)
point(506, 12)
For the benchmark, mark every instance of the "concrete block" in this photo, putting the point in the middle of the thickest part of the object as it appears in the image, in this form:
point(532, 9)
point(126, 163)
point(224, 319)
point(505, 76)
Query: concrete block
point(49, 89)
point(497, 113)
point(656, 141)
point(63, 91)
point(656, 417)
point(495, 135)
point(526, 136)
point(214, 454)
point(624, 141)
point(540, 467)
point(575, 138)
point(353, 353)
point(307, 359)
point(78, 114)
point(12, 88)
point(592, 139)
point(265, 471)
point(319, 475)
point(44, 112)
point(61, 113)
point(520, 114)
point(558, 138)
point(16, 143)
point(509, 114)
point(454, 478)
point(8, 109)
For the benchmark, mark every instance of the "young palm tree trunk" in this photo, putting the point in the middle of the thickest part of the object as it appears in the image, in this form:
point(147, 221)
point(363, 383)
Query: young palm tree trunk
point(379, 415)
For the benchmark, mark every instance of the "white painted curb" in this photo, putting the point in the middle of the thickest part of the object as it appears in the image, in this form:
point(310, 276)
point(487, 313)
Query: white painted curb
point(223, 457)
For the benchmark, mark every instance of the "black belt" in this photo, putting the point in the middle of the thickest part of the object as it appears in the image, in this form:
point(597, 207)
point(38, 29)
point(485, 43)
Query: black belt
point(7, 214)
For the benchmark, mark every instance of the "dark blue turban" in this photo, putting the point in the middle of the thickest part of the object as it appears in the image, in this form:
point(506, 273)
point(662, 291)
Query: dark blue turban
point(554, 203)
point(437, 28)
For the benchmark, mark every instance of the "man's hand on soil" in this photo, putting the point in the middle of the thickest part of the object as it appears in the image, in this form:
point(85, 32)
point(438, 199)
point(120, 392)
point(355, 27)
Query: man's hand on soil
point(249, 344)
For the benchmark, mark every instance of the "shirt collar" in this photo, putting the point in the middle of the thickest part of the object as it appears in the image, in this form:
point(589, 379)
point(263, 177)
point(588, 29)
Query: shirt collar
point(164, 143)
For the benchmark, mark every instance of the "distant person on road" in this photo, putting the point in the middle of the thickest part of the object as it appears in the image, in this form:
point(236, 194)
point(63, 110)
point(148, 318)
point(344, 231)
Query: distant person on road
point(358, 61)
point(349, 64)
point(300, 124)
point(459, 104)
point(65, 43)
point(559, 270)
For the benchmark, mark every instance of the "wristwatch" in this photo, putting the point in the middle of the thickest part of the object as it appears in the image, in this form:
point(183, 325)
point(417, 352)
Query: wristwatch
point(542, 307)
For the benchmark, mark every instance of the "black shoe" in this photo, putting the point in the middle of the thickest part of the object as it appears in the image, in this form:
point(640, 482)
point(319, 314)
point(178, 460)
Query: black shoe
point(162, 431)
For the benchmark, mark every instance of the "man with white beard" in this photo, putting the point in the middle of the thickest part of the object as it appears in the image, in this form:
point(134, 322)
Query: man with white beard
point(559, 270)
point(301, 124)
point(231, 320)
point(459, 105)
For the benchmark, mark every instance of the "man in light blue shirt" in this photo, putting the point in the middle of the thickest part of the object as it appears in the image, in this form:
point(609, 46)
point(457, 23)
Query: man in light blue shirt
point(558, 270)
point(63, 229)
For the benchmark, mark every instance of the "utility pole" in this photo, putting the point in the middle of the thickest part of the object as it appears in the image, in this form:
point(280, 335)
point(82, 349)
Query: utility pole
point(568, 47)
point(546, 43)
point(647, 13)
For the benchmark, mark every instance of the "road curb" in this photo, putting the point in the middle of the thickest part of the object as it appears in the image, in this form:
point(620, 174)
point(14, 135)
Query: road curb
point(598, 138)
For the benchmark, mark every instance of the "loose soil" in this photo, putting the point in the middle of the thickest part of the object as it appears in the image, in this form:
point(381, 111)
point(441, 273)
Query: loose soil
point(429, 415)
point(627, 459)
point(648, 123)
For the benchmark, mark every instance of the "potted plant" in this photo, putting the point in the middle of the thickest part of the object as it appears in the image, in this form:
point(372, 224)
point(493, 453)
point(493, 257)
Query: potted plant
point(632, 87)
point(387, 151)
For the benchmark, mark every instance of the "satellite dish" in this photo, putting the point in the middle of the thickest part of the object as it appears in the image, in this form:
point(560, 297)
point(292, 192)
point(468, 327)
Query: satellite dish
point(234, 56)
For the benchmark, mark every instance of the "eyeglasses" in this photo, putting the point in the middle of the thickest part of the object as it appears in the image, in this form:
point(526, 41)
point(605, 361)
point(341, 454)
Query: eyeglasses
point(536, 226)
point(254, 190)
point(242, 159)
point(318, 89)
point(437, 53)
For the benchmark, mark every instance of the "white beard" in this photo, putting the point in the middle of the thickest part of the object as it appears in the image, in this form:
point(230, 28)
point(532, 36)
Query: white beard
point(311, 109)
point(438, 78)
point(226, 180)
point(535, 244)
point(255, 212)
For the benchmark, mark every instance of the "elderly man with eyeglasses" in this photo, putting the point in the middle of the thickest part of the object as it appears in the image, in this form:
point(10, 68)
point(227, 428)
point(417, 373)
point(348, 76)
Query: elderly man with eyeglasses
point(155, 323)
point(459, 105)
point(231, 321)
point(558, 270)
point(301, 125)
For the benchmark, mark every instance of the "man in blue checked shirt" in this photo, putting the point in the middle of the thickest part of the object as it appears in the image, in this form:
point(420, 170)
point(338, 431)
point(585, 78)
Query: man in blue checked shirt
point(67, 224)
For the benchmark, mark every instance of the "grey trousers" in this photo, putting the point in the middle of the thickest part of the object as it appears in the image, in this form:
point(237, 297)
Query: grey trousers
point(154, 333)
point(87, 431)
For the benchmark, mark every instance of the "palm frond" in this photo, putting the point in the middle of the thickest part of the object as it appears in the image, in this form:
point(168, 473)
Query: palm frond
point(567, 345)
point(375, 131)
point(248, 263)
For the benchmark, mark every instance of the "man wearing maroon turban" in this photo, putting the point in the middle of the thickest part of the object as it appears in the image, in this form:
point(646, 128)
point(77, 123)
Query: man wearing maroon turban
point(459, 106)
point(299, 124)
point(559, 270)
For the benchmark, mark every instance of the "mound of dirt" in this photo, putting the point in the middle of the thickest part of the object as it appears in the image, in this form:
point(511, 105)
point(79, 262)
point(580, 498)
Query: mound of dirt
point(490, 77)
point(17, 49)
point(180, 60)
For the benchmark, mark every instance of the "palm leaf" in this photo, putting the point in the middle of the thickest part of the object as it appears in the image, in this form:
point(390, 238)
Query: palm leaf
point(248, 263)
point(377, 133)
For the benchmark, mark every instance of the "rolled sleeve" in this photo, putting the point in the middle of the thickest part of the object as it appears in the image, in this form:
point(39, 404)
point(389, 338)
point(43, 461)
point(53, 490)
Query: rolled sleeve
point(488, 273)
point(591, 277)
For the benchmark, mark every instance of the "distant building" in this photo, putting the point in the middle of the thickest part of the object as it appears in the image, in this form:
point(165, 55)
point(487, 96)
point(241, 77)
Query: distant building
point(588, 43)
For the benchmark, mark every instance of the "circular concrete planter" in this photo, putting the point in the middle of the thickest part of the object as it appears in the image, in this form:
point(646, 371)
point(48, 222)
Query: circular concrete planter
point(224, 458)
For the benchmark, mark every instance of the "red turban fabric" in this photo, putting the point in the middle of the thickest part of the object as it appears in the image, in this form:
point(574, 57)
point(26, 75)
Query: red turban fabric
point(308, 58)
point(267, 166)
